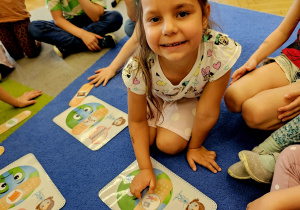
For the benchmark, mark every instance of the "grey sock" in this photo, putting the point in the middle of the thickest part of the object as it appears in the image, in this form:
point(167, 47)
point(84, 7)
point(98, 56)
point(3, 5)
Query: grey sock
point(268, 162)
point(270, 145)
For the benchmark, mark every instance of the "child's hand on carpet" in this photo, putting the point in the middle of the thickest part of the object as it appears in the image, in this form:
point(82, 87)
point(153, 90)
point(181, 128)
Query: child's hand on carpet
point(248, 66)
point(143, 179)
point(26, 98)
point(202, 157)
point(102, 75)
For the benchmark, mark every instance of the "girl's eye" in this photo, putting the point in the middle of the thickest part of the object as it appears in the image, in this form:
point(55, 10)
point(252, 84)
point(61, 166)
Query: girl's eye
point(182, 14)
point(155, 19)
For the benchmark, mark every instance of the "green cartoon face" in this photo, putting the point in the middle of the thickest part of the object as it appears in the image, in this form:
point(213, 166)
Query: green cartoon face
point(17, 184)
point(81, 112)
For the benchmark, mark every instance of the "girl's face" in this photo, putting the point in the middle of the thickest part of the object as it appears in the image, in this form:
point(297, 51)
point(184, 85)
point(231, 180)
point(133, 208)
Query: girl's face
point(174, 28)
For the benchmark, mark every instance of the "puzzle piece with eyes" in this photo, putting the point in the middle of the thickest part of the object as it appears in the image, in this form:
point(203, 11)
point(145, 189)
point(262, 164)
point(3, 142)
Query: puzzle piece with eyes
point(85, 116)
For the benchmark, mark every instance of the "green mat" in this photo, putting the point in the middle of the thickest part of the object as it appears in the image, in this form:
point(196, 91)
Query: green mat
point(7, 111)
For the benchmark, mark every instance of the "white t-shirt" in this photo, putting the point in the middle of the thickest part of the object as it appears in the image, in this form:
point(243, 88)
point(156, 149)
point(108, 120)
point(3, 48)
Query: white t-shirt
point(216, 55)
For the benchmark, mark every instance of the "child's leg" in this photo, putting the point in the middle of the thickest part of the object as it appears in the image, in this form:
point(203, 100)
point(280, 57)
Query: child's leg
point(48, 32)
point(287, 169)
point(174, 132)
point(260, 111)
point(109, 22)
point(264, 78)
point(169, 142)
point(286, 135)
point(10, 41)
point(26, 42)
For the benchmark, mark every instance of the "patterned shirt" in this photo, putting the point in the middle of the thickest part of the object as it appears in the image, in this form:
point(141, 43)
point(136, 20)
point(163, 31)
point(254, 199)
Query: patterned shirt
point(70, 8)
point(216, 55)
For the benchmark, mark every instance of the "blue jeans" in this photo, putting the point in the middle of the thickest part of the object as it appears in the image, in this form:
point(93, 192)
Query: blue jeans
point(129, 27)
point(47, 31)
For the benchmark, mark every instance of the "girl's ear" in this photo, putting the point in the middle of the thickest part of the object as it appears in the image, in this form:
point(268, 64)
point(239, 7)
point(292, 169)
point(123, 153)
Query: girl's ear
point(205, 17)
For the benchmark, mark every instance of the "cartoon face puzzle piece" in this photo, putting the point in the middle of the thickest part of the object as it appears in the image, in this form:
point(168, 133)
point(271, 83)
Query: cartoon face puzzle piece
point(17, 184)
point(90, 121)
point(81, 94)
point(153, 201)
point(14, 121)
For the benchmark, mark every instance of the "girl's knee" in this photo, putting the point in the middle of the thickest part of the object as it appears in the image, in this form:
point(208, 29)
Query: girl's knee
point(171, 146)
point(116, 20)
point(253, 114)
point(232, 99)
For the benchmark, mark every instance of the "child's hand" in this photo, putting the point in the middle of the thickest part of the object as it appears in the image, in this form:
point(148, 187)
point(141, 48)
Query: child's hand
point(26, 98)
point(143, 179)
point(248, 66)
point(291, 110)
point(91, 40)
point(262, 203)
point(102, 75)
point(202, 157)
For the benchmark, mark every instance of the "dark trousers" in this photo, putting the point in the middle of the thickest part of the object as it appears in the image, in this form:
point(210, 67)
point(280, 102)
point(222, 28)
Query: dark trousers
point(47, 31)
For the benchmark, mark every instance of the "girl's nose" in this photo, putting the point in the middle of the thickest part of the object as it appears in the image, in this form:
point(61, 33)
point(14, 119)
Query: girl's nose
point(169, 27)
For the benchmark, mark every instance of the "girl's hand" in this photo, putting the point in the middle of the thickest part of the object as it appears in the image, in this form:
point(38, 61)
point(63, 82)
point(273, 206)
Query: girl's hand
point(26, 98)
point(291, 110)
point(143, 179)
point(248, 66)
point(102, 75)
point(91, 40)
point(202, 157)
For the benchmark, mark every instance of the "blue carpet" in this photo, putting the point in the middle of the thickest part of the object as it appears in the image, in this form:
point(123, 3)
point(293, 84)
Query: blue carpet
point(80, 173)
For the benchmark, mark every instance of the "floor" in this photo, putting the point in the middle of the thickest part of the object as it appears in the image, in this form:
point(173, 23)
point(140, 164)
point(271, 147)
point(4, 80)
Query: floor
point(52, 74)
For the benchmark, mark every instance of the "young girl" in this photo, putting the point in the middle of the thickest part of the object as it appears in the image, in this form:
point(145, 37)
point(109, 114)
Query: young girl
point(175, 83)
point(14, 22)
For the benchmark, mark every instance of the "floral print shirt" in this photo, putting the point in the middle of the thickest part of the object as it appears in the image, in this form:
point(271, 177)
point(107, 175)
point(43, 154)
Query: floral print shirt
point(216, 55)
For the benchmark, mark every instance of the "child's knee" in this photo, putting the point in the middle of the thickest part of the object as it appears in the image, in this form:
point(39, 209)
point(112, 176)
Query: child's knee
point(253, 114)
point(170, 146)
point(35, 29)
point(116, 20)
point(232, 99)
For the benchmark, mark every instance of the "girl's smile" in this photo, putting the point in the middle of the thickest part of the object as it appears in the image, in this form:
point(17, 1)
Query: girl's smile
point(173, 44)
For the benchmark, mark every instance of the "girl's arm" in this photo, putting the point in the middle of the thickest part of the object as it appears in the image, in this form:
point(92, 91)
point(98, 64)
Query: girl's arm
point(140, 137)
point(281, 199)
point(207, 114)
point(94, 11)
point(131, 9)
point(105, 74)
point(275, 40)
point(24, 100)
point(89, 39)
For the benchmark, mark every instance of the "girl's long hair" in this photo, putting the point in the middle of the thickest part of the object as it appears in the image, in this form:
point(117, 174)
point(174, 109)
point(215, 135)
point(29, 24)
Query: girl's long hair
point(142, 55)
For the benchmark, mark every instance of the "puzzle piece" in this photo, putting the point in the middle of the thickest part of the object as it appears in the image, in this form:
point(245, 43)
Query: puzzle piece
point(153, 201)
point(81, 94)
point(14, 121)
point(89, 121)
